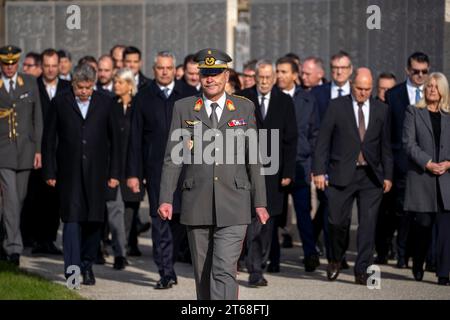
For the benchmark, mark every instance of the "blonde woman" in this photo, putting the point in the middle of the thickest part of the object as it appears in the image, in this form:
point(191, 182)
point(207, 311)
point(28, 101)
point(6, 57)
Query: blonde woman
point(123, 205)
point(426, 138)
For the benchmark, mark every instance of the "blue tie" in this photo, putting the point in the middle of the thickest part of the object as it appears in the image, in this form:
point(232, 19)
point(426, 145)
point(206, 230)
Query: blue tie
point(417, 95)
point(340, 92)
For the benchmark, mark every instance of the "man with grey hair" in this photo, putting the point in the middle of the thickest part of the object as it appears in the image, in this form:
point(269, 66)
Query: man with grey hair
point(80, 137)
point(150, 126)
point(313, 73)
point(274, 111)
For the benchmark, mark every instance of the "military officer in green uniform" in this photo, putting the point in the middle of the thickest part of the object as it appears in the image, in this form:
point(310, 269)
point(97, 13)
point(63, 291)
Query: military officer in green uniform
point(20, 143)
point(218, 197)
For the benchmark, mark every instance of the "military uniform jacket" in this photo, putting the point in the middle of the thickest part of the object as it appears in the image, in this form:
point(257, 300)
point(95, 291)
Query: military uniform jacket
point(20, 117)
point(218, 194)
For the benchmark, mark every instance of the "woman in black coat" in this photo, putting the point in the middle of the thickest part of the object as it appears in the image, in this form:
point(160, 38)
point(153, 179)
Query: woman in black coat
point(123, 204)
point(426, 138)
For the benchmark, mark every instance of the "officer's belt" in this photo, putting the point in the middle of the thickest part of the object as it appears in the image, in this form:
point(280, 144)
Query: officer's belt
point(11, 115)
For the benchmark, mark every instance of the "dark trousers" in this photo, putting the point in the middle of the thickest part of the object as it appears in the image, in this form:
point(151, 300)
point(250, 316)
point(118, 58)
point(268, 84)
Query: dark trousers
point(275, 250)
point(443, 244)
point(131, 221)
point(386, 225)
point(81, 241)
point(368, 194)
point(163, 247)
point(259, 239)
point(302, 204)
point(422, 227)
point(40, 213)
point(180, 242)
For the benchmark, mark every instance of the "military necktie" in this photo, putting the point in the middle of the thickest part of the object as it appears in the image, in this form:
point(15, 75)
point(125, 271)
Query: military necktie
point(11, 88)
point(362, 131)
point(213, 116)
point(263, 107)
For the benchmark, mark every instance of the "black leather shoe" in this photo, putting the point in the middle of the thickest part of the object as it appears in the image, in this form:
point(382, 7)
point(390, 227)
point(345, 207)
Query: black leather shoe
point(134, 252)
point(344, 265)
point(164, 283)
point(430, 268)
point(88, 277)
point(52, 249)
point(381, 260)
point(333, 270)
point(120, 263)
point(443, 281)
point(143, 227)
point(273, 268)
point(311, 263)
point(418, 273)
point(361, 279)
point(402, 263)
point(287, 241)
point(14, 259)
point(257, 282)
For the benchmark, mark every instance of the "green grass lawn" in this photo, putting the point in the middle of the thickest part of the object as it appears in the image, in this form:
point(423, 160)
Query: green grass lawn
point(16, 284)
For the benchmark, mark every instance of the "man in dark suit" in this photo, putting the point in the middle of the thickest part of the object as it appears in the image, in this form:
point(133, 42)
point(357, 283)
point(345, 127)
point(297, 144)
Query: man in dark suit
point(150, 124)
point(132, 60)
point(41, 205)
point(80, 139)
point(341, 72)
point(105, 75)
point(307, 117)
point(399, 98)
point(275, 111)
point(20, 144)
point(191, 73)
point(353, 149)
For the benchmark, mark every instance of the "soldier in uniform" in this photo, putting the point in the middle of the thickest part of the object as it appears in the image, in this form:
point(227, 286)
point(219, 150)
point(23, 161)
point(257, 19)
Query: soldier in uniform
point(20, 143)
point(216, 195)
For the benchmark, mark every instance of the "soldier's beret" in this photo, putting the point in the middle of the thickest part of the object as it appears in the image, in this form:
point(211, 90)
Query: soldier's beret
point(212, 61)
point(10, 54)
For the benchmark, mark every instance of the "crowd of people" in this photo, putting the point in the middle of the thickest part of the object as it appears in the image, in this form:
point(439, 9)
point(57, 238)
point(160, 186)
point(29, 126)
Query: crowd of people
point(83, 143)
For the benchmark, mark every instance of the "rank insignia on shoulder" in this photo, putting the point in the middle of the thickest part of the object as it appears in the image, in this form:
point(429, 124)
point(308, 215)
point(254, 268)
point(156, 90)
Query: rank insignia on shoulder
point(230, 105)
point(198, 104)
point(19, 81)
point(191, 123)
point(1, 83)
point(237, 123)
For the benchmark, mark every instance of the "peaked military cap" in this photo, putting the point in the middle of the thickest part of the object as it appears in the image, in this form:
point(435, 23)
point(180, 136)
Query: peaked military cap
point(10, 54)
point(212, 61)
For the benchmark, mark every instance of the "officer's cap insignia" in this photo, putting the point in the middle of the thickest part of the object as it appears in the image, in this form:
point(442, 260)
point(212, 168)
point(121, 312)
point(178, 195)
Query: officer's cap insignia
point(210, 61)
point(198, 104)
point(230, 105)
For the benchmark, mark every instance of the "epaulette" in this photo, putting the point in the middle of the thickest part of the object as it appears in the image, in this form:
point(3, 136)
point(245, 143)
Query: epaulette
point(245, 98)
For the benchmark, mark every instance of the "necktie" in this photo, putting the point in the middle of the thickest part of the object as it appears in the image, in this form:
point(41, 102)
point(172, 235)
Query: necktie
point(166, 92)
point(340, 92)
point(263, 107)
point(213, 116)
point(11, 88)
point(417, 95)
point(362, 131)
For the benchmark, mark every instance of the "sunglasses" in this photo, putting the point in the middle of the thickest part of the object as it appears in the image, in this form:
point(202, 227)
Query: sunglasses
point(417, 71)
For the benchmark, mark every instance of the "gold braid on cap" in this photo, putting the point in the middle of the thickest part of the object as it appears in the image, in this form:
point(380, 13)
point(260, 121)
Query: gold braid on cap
point(11, 115)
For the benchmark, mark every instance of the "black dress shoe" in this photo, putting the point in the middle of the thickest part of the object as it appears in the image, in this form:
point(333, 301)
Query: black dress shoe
point(164, 283)
point(344, 265)
point(287, 241)
point(402, 263)
point(143, 227)
point(38, 248)
point(443, 281)
point(88, 277)
point(418, 273)
point(134, 252)
point(52, 249)
point(14, 259)
point(311, 263)
point(361, 279)
point(257, 282)
point(430, 267)
point(381, 260)
point(273, 268)
point(333, 270)
point(120, 263)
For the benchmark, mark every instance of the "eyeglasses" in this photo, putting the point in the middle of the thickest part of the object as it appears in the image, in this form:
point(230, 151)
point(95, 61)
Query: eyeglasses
point(417, 71)
point(335, 68)
point(28, 65)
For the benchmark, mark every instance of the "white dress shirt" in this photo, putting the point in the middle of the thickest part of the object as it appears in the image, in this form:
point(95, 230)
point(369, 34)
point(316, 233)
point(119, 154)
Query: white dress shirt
point(51, 88)
point(83, 106)
point(412, 92)
point(335, 89)
point(366, 111)
point(290, 92)
point(219, 110)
